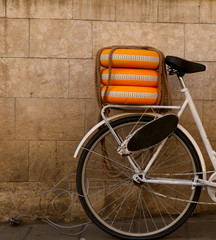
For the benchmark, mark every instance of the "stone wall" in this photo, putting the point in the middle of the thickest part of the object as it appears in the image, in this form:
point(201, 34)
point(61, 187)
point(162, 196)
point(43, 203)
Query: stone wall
point(47, 99)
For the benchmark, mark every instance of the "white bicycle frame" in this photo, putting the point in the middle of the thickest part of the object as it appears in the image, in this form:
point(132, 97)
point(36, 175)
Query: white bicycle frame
point(140, 176)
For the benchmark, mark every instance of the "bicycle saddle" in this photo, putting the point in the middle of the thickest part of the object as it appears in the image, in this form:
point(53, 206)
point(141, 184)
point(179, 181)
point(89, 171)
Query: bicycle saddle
point(182, 66)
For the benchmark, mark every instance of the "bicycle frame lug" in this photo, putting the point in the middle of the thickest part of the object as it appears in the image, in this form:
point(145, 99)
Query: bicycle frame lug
point(122, 149)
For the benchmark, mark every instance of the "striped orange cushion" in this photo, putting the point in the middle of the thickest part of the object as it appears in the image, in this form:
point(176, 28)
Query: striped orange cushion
point(132, 58)
point(131, 77)
point(131, 95)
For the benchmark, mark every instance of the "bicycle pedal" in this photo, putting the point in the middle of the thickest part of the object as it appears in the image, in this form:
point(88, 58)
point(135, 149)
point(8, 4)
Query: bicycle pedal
point(13, 222)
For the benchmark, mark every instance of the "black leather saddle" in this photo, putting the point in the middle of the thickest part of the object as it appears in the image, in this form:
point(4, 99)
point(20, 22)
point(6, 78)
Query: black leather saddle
point(181, 66)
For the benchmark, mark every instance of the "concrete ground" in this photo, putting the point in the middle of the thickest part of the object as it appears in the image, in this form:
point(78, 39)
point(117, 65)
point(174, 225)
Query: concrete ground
point(203, 227)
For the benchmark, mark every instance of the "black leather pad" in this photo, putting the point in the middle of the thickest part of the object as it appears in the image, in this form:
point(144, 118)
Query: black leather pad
point(153, 132)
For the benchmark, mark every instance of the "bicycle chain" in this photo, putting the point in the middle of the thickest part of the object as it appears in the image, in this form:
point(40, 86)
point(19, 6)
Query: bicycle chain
point(179, 199)
point(182, 174)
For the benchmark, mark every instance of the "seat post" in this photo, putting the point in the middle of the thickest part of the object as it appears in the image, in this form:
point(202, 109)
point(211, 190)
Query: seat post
point(182, 82)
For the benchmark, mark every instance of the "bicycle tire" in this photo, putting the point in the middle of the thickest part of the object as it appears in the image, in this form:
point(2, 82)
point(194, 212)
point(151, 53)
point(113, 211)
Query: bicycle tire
point(128, 210)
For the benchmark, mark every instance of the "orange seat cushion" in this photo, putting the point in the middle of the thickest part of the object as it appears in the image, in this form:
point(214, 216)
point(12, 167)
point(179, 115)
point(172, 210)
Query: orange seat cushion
point(132, 58)
point(131, 95)
point(131, 77)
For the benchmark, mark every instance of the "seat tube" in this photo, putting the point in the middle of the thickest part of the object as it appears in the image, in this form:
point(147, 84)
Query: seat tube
point(198, 122)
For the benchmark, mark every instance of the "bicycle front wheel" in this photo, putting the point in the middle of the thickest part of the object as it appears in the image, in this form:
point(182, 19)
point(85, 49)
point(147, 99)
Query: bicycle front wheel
point(131, 210)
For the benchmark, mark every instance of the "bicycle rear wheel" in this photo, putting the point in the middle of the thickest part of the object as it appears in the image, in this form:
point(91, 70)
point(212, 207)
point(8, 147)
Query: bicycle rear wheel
point(124, 208)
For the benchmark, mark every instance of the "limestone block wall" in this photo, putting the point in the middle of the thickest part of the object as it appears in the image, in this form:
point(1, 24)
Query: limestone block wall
point(47, 99)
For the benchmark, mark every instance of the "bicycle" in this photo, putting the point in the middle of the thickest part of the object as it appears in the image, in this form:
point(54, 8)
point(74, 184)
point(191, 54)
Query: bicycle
point(151, 191)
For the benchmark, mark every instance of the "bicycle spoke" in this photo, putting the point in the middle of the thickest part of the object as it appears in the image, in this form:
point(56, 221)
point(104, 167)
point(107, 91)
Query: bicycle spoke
point(121, 204)
point(114, 201)
point(102, 188)
point(113, 191)
point(149, 212)
point(163, 202)
point(112, 160)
